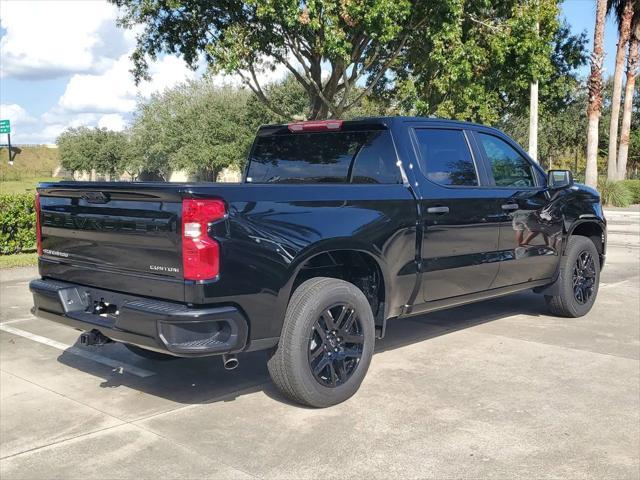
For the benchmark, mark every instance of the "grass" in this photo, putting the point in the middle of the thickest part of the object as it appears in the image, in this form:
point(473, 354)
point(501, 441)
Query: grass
point(18, 260)
point(25, 185)
point(35, 161)
point(614, 194)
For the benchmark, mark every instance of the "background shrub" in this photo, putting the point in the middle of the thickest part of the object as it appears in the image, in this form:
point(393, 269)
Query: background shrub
point(634, 188)
point(17, 223)
point(614, 193)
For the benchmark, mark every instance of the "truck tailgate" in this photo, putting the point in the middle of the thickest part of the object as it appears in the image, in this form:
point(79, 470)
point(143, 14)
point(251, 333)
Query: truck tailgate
point(116, 236)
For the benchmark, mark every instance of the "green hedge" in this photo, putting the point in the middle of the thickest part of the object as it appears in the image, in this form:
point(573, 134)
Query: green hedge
point(17, 223)
point(634, 188)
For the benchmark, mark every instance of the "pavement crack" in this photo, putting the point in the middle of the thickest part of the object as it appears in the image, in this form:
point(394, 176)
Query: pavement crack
point(63, 395)
point(64, 440)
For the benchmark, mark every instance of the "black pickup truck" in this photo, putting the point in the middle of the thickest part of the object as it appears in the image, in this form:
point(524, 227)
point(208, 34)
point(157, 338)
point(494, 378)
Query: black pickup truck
point(338, 227)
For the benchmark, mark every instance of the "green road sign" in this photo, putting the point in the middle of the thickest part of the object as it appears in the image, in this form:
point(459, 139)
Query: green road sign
point(5, 126)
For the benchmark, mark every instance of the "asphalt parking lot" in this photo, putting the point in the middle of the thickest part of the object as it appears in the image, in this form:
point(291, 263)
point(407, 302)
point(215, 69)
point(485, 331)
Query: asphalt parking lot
point(497, 389)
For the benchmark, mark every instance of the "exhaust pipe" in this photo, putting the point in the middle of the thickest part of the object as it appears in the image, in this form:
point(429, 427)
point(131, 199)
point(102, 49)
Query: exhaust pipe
point(229, 361)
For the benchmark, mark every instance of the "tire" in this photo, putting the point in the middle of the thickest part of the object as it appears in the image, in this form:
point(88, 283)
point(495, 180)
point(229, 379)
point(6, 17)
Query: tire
point(576, 303)
point(149, 354)
point(307, 331)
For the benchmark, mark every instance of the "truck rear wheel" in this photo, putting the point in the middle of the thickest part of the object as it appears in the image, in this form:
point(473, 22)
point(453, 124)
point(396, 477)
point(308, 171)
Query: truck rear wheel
point(578, 279)
point(326, 343)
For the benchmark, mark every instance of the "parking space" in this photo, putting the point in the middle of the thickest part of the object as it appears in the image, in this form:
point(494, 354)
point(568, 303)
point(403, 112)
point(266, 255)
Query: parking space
point(498, 389)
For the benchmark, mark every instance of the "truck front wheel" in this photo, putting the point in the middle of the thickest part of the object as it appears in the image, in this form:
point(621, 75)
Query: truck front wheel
point(578, 279)
point(326, 343)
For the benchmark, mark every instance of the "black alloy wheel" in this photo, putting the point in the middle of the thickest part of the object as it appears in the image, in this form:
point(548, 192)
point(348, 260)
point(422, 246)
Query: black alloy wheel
point(575, 290)
point(584, 277)
point(326, 344)
point(335, 345)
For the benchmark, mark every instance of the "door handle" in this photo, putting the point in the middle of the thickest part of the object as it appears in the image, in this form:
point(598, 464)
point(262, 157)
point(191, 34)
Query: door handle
point(438, 210)
point(510, 206)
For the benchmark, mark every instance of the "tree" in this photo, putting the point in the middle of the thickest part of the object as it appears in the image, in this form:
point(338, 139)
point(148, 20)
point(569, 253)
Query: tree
point(76, 149)
point(215, 132)
point(563, 142)
point(293, 100)
point(111, 153)
point(476, 60)
point(533, 108)
point(351, 41)
point(94, 149)
point(595, 95)
point(288, 94)
point(197, 126)
point(133, 159)
point(632, 72)
point(624, 12)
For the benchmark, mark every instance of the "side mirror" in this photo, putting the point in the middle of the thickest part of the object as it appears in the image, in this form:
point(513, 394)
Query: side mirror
point(559, 178)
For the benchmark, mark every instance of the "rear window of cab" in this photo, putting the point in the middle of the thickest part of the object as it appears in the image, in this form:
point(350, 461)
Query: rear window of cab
point(324, 157)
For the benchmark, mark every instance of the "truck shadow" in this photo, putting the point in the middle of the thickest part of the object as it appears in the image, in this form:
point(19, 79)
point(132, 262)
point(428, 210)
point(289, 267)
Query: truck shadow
point(204, 380)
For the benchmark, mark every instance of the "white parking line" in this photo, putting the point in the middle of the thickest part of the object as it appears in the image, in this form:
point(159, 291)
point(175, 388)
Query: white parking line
point(118, 366)
point(17, 320)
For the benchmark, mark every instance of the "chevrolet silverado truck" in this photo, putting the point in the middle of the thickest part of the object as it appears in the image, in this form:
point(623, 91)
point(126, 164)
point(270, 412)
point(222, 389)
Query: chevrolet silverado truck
point(337, 228)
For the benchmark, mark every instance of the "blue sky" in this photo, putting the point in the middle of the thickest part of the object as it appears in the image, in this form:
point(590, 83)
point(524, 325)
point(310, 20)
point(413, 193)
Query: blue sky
point(65, 63)
point(581, 16)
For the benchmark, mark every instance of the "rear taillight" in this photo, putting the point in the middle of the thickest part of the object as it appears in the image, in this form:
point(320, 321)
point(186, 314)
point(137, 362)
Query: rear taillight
point(200, 252)
point(38, 226)
point(315, 126)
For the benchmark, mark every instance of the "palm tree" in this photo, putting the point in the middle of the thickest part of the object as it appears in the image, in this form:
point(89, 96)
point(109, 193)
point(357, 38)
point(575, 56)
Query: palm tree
point(623, 11)
point(633, 61)
point(595, 95)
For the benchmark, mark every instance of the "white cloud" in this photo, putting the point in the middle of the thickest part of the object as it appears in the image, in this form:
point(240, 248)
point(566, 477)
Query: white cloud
point(106, 100)
point(79, 39)
point(112, 121)
point(20, 120)
point(46, 39)
point(51, 124)
point(115, 91)
point(166, 73)
point(111, 91)
point(15, 113)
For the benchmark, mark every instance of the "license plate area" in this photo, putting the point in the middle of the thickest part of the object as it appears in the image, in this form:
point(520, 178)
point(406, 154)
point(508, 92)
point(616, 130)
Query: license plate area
point(80, 300)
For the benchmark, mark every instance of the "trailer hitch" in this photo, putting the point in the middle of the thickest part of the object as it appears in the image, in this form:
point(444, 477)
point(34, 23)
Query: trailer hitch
point(94, 337)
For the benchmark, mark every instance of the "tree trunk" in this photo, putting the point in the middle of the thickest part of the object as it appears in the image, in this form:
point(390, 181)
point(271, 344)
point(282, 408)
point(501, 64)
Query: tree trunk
point(595, 96)
point(625, 129)
point(591, 173)
point(319, 110)
point(533, 114)
point(533, 121)
point(623, 40)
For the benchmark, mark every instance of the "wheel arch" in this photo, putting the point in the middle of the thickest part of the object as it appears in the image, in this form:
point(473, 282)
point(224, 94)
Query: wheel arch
point(348, 261)
point(594, 230)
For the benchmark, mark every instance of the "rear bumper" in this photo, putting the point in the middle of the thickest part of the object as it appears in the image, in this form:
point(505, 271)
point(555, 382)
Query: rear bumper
point(166, 327)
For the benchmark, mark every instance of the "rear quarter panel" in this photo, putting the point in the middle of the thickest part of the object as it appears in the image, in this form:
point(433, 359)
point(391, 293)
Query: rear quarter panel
point(272, 230)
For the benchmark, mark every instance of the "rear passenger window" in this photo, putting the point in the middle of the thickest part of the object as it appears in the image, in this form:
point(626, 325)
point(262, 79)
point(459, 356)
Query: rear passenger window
point(445, 157)
point(376, 160)
point(510, 169)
